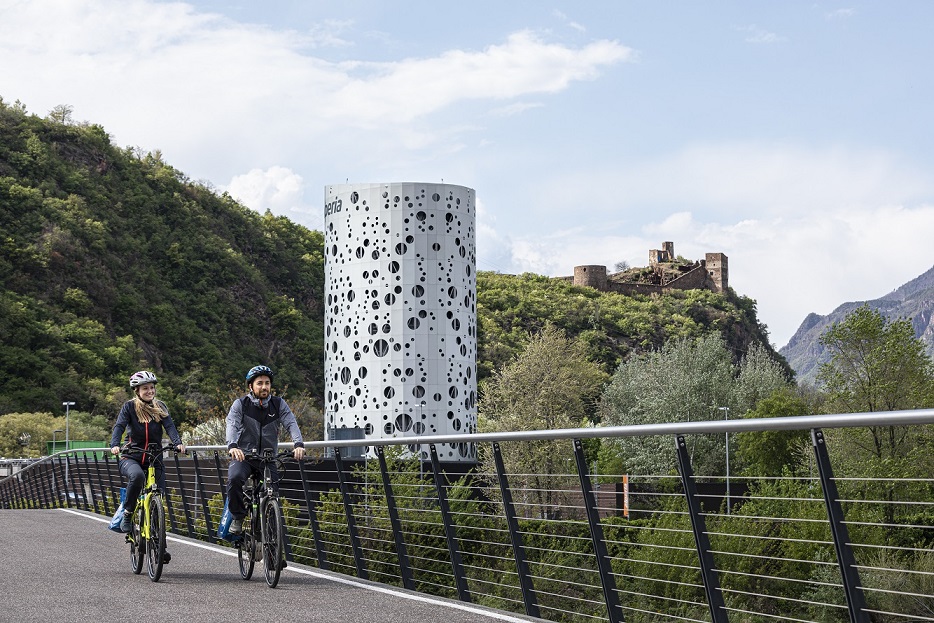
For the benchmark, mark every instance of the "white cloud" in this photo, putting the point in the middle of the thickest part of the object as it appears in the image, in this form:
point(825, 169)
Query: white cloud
point(514, 109)
point(398, 92)
point(754, 34)
point(177, 80)
point(277, 189)
point(841, 14)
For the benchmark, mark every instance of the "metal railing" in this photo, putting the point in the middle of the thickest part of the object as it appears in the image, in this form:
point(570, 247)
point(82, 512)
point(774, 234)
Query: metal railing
point(568, 545)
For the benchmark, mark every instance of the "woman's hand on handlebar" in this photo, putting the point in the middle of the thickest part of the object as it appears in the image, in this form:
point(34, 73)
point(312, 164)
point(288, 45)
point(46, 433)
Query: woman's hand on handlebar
point(236, 454)
point(298, 453)
point(115, 450)
point(181, 449)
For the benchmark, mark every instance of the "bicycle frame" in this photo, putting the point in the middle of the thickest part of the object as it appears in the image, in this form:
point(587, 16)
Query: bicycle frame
point(147, 535)
point(260, 539)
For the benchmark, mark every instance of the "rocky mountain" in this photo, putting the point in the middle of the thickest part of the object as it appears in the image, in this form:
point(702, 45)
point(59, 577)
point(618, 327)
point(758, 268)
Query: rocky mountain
point(914, 300)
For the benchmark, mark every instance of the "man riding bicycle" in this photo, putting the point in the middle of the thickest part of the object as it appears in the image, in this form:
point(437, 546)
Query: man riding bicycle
point(253, 424)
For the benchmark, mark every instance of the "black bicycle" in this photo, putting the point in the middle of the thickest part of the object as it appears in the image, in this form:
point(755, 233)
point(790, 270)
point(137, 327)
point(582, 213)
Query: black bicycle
point(147, 534)
point(263, 529)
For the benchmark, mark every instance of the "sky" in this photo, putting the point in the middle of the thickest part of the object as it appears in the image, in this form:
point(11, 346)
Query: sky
point(795, 137)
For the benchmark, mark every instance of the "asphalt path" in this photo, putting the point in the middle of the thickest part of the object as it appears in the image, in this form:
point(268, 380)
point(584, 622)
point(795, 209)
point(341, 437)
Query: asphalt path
point(65, 565)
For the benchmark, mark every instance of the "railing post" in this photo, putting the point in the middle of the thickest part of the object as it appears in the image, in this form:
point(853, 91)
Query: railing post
point(515, 537)
point(114, 490)
point(184, 494)
point(607, 580)
point(70, 477)
point(90, 489)
point(718, 613)
point(405, 570)
point(61, 473)
point(221, 481)
point(103, 490)
point(313, 520)
point(348, 512)
point(77, 472)
point(168, 504)
point(204, 500)
point(852, 586)
point(449, 531)
point(44, 496)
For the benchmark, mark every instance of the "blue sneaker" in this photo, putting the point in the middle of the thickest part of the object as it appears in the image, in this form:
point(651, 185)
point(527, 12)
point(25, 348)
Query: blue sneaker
point(126, 524)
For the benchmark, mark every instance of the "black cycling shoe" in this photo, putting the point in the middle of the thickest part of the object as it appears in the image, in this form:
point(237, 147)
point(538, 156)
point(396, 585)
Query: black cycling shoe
point(166, 557)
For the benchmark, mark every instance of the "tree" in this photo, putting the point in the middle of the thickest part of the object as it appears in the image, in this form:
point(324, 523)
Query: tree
point(874, 365)
point(772, 452)
point(61, 114)
point(551, 385)
point(877, 365)
point(687, 380)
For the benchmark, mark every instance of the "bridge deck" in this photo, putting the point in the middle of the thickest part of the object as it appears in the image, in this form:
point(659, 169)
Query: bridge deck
point(65, 565)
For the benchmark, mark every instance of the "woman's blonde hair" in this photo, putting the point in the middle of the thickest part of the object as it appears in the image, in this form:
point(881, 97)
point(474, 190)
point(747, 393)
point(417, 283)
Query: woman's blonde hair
point(149, 412)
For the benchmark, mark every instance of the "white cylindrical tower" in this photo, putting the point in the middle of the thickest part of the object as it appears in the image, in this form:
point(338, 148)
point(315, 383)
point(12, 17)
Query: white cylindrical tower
point(401, 313)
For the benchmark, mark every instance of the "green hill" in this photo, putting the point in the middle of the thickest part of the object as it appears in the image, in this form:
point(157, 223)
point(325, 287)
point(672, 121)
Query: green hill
point(112, 261)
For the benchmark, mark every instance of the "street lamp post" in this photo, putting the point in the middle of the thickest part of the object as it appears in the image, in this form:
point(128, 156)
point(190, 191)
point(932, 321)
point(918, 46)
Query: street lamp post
point(54, 442)
point(726, 417)
point(67, 406)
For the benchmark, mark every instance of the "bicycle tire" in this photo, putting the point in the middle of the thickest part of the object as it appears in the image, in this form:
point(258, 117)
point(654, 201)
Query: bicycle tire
point(246, 549)
point(273, 542)
point(137, 546)
point(155, 549)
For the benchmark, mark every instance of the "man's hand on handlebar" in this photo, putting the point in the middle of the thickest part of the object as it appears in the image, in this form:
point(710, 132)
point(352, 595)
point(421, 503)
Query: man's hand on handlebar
point(298, 453)
point(236, 454)
point(115, 450)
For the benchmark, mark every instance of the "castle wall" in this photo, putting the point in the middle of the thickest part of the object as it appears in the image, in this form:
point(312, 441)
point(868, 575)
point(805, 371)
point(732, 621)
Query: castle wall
point(592, 276)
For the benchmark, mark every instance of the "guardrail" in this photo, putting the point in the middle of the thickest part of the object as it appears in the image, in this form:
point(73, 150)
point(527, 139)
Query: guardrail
point(568, 545)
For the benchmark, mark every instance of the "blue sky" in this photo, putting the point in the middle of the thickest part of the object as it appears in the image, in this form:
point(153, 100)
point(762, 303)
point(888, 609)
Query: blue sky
point(796, 137)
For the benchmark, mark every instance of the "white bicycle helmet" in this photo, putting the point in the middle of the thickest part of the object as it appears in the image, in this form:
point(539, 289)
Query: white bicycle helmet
point(142, 377)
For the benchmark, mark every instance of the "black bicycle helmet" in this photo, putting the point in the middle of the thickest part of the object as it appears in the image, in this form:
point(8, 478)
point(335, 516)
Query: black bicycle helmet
point(256, 371)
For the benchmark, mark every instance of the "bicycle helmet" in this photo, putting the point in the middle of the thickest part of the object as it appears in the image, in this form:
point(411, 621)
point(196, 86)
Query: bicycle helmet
point(142, 377)
point(256, 371)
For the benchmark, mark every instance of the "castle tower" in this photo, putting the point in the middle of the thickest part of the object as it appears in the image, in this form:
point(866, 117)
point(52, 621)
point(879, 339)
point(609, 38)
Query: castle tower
point(665, 254)
point(401, 313)
point(592, 276)
point(719, 270)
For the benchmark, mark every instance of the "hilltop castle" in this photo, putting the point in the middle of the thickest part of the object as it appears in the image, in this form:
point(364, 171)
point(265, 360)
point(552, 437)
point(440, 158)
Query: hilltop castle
point(664, 273)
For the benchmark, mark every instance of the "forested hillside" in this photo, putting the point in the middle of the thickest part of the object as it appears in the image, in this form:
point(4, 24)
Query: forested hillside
point(614, 326)
point(114, 261)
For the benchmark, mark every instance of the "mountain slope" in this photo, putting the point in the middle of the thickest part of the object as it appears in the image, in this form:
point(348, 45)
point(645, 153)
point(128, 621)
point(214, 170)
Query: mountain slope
point(914, 300)
point(111, 261)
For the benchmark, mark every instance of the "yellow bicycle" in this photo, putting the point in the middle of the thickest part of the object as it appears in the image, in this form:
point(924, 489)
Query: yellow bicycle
point(147, 534)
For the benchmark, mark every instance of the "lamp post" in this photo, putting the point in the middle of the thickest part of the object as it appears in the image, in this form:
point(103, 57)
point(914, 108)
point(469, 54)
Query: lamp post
point(67, 406)
point(726, 417)
point(54, 442)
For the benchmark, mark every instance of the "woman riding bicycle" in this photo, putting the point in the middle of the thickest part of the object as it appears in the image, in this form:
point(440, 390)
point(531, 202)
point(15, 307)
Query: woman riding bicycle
point(143, 418)
point(253, 424)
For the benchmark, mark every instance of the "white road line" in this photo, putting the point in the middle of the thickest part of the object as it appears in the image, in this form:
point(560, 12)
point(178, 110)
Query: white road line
point(388, 590)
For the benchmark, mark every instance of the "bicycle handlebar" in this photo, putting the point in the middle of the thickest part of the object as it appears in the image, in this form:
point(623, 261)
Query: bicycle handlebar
point(152, 449)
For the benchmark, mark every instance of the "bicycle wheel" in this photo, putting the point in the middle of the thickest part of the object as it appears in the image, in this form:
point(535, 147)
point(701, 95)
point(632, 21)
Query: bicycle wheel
point(246, 549)
point(273, 542)
point(156, 545)
point(137, 546)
